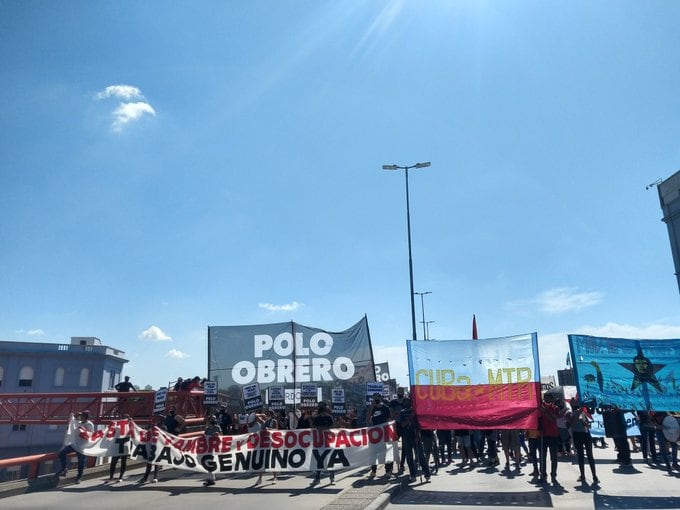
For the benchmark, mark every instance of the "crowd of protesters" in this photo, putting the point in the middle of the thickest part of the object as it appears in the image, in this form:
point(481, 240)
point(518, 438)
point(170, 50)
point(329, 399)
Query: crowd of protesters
point(563, 433)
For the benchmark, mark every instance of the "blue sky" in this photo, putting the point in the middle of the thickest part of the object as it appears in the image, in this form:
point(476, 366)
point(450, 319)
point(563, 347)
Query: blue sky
point(169, 166)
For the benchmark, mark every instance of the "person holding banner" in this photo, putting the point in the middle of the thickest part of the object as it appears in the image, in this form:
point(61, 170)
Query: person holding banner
point(123, 460)
point(377, 414)
point(255, 424)
point(323, 421)
point(211, 429)
point(74, 439)
point(411, 444)
point(159, 418)
point(271, 423)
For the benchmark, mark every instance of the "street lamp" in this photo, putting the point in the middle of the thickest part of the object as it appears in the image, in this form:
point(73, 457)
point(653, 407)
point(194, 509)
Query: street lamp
point(428, 329)
point(422, 307)
point(408, 227)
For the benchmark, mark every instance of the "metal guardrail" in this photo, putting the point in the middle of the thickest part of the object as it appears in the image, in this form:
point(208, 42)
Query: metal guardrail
point(34, 462)
point(55, 408)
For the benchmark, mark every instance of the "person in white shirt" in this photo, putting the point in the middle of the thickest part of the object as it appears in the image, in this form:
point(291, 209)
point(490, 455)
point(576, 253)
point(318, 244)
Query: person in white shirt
point(83, 425)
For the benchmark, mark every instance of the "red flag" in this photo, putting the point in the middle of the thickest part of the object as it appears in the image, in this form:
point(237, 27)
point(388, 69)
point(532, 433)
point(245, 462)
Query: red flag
point(474, 328)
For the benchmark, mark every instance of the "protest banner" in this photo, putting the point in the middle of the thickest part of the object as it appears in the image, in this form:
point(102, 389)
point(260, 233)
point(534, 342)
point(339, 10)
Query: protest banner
point(475, 384)
point(635, 375)
point(289, 354)
point(264, 451)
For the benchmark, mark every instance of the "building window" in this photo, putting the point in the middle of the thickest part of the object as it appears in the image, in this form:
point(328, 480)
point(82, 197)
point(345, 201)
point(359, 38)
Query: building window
point(59, 377)
point(18, 428)
point(26, 376)
point(112, 379)
point(84, 376)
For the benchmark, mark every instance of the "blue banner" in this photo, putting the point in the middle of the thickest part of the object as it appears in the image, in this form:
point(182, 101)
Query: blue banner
point(629, 374)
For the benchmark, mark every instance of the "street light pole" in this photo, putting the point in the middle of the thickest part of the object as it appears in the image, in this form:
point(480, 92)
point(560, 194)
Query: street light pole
point(408, 229)
point(422, 307)
point(428, 329)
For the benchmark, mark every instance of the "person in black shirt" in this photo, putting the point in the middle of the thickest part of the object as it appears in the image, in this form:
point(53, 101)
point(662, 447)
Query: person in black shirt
point(125, 385)
point(224, 419)
point(396, 405)
point(377, 414)
point(323, 421)
point(411, 444)
point(174, 423)
point(303, 421)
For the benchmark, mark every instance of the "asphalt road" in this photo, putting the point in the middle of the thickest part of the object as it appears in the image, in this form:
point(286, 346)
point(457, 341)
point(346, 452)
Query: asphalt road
point(459, 486)
point(478, 487)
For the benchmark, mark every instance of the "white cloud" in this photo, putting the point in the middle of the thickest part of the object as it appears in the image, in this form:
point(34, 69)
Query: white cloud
point(128, 112)
point(290, 307)
point(566, 299)
point(126, 92)
point(558, 300)
point(175, 354)
point(154, 334)
point(30, 332)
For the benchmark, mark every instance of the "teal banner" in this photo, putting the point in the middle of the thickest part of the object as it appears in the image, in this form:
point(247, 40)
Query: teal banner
point(629, 374)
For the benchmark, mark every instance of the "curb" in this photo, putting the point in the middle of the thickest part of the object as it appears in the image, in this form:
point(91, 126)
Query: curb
point(51, 480)
point(356, 498)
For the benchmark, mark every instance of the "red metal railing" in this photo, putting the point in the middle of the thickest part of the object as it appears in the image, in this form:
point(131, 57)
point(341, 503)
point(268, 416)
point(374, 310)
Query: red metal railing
point(35, 461)
point(55, 408)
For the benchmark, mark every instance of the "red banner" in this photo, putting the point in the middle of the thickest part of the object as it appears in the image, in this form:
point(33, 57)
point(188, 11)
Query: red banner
point(476, 384)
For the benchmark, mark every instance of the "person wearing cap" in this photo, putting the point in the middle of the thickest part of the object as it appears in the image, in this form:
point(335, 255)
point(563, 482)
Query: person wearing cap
point(225, 419)
point(323, 420)
point(74, 430)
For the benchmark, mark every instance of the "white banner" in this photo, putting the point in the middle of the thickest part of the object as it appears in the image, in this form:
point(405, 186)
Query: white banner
point(265, 451)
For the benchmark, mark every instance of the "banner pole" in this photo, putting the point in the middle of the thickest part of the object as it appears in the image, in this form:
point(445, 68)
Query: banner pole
point(295, 406)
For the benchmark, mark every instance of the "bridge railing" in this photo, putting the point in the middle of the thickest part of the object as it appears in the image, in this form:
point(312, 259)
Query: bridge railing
point(55, 408)
point(32, 466)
